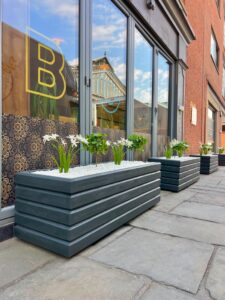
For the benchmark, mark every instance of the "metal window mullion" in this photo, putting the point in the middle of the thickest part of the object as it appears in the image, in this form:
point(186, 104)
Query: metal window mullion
point(88, 67)
point(130, 80)
point(173, 102)
point(82, 74)
point(85, 73)
point(154, 101)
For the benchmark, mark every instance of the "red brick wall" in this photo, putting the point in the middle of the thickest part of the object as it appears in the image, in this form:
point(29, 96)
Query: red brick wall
point(203, 15)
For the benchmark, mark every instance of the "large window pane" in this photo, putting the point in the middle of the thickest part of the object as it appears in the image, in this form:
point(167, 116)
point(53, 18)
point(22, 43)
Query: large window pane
point(163, 103)
point(109, 36)
point(40, 82)
point(143, 91)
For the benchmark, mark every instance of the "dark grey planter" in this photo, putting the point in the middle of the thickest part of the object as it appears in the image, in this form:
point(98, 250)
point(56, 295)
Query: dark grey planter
point(209, 163)
point(67, 215)
point(178, 173)
point(221, 159)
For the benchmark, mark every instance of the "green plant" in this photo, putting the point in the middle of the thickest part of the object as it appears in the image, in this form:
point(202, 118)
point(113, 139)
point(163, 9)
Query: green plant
point(168, 152)
point(64, 150)
point(96, 144)
point(205, 149)
point(221, 150)
point(119, 150)
point(179, 146)
point(138, 142)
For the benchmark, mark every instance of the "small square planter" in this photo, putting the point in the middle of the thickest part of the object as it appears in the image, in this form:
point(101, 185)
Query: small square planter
point(208, 163)
point(66, 215)
point(221, 159)
point(178, 173)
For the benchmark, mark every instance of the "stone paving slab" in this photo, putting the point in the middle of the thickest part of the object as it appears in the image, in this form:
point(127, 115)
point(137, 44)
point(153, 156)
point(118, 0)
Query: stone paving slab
point(216, 278)
point(203, 231)
point(77, 279)
point(159, 292)
point(201, 211)
point(174, 261)
point(18, 259)
point(212, 198)
point(171, 200)
point(102, 243)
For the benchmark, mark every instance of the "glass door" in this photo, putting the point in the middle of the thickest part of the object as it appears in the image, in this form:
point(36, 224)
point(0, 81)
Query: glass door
point(109, 56)
point(143, 55)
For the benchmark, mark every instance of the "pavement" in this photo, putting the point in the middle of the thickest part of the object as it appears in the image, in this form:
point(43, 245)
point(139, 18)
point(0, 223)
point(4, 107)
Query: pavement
point(174, 251)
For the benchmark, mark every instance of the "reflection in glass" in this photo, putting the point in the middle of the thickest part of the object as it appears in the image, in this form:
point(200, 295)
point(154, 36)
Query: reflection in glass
point(143, 90)
point(40, 59)
point(163, 104)
point(211, 132)
point(109, 36)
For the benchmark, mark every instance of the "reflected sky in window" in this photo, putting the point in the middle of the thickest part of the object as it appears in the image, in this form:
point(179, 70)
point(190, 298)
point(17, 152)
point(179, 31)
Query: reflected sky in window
point(110, 35)
point(56, 19)
point(142, 70)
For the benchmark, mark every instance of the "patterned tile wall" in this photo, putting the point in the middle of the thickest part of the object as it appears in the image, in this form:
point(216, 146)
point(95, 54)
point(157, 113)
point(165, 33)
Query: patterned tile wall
point(23, 148)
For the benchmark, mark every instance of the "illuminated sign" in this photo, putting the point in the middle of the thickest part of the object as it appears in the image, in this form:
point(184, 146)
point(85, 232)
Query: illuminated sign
point(44, 66)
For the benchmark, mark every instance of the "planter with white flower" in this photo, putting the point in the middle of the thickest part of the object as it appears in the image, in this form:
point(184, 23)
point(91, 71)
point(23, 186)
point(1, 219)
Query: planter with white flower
point(65, 210)
point(208, 160)
point(177, 171)
point(221, 156)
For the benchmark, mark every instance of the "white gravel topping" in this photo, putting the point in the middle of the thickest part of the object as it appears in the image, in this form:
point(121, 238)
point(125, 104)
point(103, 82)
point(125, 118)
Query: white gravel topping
point(80, 171)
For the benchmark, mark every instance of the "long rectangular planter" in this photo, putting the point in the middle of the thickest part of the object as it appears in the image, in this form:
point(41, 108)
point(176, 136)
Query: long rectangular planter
point(208, 163)
point(67, 215)
point(178, 173)
point(221, 159)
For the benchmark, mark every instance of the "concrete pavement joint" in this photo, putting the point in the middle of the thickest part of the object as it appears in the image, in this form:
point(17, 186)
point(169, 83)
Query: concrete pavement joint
point(205, 277)
point(176, 236)
point(140, 275)
point(4, 287)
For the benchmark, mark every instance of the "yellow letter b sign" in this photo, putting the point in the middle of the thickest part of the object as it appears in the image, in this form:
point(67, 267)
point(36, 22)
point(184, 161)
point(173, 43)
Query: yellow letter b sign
point(44, 66)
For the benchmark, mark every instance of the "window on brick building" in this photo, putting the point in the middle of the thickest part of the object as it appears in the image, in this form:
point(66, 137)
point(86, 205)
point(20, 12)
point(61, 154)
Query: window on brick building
point(218, 5)
point(223, 86)
point(214, 50)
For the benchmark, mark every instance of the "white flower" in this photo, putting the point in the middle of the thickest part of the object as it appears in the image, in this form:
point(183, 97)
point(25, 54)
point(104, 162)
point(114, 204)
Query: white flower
point(54, 136)
point(81, 139)
point(46, 138)
point(173, 143)
point(124, 142)
point(108, 143)
point(73, 140)
point(63, 142)
point(50, 137)
point(129, 144)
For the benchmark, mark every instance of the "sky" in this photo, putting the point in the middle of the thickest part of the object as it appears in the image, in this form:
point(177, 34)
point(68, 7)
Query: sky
point(58, 21)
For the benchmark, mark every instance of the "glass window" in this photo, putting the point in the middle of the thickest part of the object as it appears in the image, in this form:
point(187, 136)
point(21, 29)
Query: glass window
point(214, 50)
point(218, 5)
point(163, 103)
point(39, 85)
point(109, 40)
point(211, 132)
point(40, 59)
point(143, 90)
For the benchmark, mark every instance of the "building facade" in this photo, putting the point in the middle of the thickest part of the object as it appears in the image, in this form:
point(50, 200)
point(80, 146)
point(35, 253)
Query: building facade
point(73, 66)
point(205, 77)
